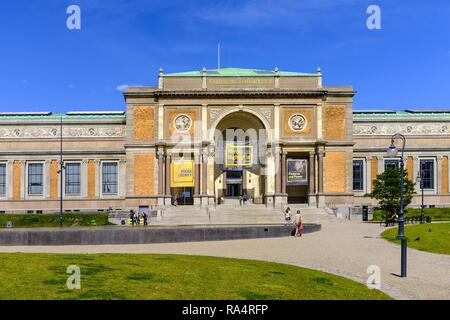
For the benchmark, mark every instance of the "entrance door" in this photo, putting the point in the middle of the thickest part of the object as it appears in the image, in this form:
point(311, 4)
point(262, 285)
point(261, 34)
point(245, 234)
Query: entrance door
point(234, 183)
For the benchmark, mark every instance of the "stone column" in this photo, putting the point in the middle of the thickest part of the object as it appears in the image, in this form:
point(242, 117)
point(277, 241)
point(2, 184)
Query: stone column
point(47, 174)
point(204, 178)
point(312, 180)
point(277, 172)
point(438, 183)
point(320, 173)
point(320, 197)
point(197, 173)
point(9, 179)
point(283, 172)
point(84, 179)
point(168, 196)
point(244, 181)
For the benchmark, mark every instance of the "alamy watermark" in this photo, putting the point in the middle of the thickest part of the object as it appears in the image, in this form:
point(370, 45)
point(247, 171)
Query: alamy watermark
point(374, 20)
point(74, 280)
point(73, 22)
point(374, 280)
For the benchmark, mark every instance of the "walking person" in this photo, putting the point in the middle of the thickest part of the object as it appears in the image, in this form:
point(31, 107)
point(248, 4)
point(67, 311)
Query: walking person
point(245, 198)
point(298, 224)
point(136, 218)
point(287, 216)
point(240, 200)
point(131, 219)
point(145, 216)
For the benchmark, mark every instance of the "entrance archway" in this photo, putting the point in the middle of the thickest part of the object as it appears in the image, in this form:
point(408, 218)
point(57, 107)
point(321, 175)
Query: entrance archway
point(240, 138)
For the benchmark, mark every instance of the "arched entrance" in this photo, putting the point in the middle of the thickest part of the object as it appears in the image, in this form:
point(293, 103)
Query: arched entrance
point(240, 166)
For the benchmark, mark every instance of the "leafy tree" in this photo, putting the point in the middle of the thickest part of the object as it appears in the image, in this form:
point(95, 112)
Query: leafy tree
point(386, 190)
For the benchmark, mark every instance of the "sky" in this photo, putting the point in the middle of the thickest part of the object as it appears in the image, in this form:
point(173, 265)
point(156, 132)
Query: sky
point(44, 66)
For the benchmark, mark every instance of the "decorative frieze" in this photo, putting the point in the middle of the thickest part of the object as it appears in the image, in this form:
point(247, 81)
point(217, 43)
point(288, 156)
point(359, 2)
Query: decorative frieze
point(412, 129)
point(54, 132)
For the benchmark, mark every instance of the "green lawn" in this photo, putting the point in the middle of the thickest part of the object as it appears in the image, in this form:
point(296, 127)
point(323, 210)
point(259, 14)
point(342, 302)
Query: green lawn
point(52, 220)
point(436, 214)
point(122, 276)
point(433, 237)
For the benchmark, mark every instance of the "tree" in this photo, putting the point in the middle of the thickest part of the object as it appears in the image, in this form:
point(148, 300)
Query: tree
point(386, 190)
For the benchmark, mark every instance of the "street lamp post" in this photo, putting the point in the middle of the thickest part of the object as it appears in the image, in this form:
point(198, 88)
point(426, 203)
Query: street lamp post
point(422, 207)
point(61, 170)
point(393, 152)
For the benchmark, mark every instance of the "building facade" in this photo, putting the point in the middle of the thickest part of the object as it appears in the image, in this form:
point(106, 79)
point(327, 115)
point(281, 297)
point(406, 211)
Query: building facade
point(199, 138)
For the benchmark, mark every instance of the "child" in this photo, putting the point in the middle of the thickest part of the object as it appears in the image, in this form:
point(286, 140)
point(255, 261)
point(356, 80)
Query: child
point(287, 216)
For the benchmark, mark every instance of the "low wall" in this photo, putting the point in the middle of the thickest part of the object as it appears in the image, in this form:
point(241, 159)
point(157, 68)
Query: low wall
point(142, 235)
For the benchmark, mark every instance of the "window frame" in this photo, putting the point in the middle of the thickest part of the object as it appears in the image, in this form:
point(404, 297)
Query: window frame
point(362, 178)
point(35, 195)
point(80, 182)
point(5, 194)
point(110, 194)
point(387, 160)
point(433, 176)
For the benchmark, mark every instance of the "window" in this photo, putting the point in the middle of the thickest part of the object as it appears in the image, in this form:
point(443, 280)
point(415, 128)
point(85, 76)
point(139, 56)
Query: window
point(72, 178)
point(391, 164)
point(35, 178)
point(109, 178)
point(358, 175)
point(2, 179)
point(427, 173)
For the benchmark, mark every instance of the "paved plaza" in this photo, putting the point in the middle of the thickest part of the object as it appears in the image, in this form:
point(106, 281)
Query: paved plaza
point(343, 247)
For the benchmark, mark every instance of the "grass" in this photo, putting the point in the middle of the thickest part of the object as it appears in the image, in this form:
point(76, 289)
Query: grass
point(127, 276)
point(436, 214)
point(52, 220)
point(433, 237)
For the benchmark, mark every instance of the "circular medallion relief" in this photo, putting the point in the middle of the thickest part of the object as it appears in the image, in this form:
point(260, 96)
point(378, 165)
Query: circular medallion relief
point(182, 123)
point(297, 122)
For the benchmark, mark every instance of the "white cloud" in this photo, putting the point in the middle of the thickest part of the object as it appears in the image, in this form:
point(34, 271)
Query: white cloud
point(122, 87)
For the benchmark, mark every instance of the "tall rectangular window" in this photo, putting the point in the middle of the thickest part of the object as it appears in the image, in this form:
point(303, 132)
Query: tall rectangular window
point(35, 178)
point(427, 173)
point(391, 164)
point(109, 178)
point(2, 179)
point(73, 178)
point(358, 175)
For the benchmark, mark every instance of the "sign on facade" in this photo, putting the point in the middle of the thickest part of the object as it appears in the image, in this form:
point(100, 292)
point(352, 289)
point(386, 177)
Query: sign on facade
point(297, 171)
point(238, 156)
point(182, 173)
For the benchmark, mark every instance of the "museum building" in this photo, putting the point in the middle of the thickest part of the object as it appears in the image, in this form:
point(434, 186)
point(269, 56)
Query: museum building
point(202, 137)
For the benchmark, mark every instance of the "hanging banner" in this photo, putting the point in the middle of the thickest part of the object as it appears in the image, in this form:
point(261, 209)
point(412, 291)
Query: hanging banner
point(238, 156)
point(297, 171)
point(182, 173)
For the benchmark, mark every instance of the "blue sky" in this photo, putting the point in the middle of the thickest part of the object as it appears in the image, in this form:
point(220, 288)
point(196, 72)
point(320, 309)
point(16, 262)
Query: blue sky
point(46, 67)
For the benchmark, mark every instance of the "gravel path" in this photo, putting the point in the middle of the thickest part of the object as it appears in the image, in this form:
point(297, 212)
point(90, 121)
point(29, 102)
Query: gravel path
point(343, 247)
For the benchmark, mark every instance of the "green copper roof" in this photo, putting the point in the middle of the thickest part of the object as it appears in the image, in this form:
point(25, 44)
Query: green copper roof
point(400, 113)
point(237, 72)
point(68, 115)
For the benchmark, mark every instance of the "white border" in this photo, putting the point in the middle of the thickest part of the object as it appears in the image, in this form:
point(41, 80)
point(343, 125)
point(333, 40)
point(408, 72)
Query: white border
point(301, 115)
point(181, 115)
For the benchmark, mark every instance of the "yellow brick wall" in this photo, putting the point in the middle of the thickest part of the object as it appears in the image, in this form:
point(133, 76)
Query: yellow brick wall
point(287, 131)
point(445, 175)
point(373, 170)
point(334, 122)
point(144, 123)
point(144, 174)
point(17, 171)
point(410, 167)
point(91, 179)
point(54, 180)
point(174, 114)
point(335, 171)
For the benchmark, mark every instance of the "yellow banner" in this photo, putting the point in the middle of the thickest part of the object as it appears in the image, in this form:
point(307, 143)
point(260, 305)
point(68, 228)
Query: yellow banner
point(182, 173)
point(238, 156)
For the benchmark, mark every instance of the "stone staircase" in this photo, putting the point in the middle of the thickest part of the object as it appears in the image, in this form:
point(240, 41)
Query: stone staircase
point(232, 213)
